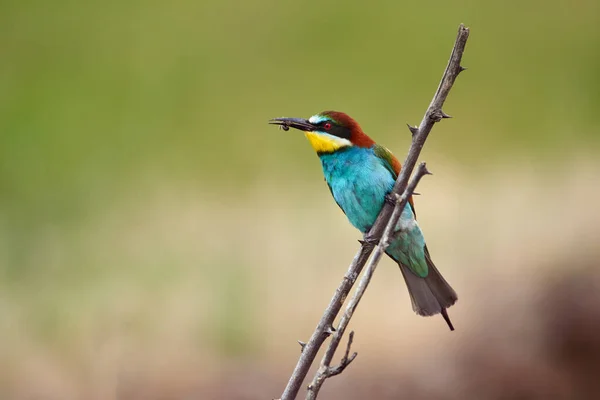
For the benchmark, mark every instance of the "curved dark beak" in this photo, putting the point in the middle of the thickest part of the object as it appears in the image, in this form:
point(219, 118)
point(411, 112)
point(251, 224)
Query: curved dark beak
point(297, 123)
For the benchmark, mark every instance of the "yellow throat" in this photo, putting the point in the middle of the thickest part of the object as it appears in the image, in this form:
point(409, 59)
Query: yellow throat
point(323, 143)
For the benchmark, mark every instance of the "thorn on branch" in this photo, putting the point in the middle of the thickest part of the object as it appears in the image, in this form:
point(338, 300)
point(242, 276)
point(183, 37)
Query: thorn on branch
point(421, 171)
point(437, 115)
point(368, 243)
point(461, 68)
point(413, 129)
point(302, 345)
point(330, 330)
point(345, 361)
point(444, 115)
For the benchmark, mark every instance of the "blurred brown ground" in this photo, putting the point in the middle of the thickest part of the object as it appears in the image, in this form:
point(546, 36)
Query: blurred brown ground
point(526, 319)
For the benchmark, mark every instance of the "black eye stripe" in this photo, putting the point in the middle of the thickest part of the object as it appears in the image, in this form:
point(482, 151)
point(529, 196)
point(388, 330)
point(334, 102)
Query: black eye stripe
point(336, 130)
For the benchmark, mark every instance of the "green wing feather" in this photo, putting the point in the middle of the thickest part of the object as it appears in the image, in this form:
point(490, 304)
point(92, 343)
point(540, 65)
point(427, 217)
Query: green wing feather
point(389, 159)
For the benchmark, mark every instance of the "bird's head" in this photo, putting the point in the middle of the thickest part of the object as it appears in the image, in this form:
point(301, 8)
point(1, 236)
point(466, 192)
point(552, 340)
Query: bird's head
point(328, 131)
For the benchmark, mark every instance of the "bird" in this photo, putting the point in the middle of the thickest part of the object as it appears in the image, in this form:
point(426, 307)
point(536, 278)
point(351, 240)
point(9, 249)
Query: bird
point(360, 174)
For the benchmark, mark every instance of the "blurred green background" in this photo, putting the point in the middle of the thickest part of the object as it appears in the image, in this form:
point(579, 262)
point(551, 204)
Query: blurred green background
point(158, 240)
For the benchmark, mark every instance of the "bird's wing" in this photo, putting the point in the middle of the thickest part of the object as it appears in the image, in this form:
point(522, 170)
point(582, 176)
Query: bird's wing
point(393, 165)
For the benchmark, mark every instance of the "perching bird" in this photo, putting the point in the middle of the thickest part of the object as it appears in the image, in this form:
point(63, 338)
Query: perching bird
point(360, 173)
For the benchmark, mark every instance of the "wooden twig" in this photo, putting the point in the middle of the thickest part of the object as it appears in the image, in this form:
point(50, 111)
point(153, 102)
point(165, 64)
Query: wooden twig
point(346, 360)
point(433, 114)
point(325, 371)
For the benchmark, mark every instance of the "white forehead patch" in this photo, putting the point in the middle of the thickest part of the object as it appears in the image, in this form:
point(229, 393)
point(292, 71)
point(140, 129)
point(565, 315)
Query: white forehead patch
point(317, 119)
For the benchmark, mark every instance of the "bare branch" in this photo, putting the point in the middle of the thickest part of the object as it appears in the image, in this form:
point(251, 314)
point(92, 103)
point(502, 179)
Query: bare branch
point(433, 114)
point(309, 351)
point(346, 360)
point(327, 371)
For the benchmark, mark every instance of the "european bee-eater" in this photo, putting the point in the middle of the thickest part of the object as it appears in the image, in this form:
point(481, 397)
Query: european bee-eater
point(360, 173)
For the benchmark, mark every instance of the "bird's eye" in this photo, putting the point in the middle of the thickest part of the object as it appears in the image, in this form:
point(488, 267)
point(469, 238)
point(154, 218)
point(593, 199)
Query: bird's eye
point(327, 126)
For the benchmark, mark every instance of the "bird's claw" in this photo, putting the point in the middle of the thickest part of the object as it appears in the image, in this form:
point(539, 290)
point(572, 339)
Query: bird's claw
point(369, 240)
point(391, 199)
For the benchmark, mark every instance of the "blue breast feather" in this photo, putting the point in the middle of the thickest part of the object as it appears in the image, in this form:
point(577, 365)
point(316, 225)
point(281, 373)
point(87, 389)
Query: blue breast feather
point(359, 182)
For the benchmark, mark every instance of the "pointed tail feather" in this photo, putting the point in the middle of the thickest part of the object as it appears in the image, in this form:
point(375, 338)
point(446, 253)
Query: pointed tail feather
point(430, 295)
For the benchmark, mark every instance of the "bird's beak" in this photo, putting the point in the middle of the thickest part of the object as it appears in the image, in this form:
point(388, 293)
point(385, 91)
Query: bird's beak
point(297, 123)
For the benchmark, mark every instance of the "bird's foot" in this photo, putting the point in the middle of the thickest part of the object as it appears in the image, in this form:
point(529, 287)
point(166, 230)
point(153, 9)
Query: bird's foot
point(392, 199)
point(369, 240)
